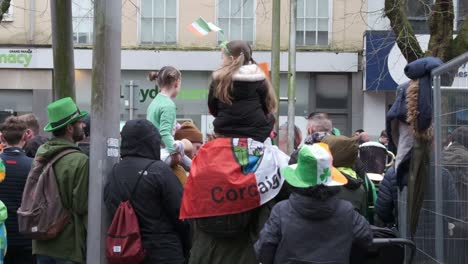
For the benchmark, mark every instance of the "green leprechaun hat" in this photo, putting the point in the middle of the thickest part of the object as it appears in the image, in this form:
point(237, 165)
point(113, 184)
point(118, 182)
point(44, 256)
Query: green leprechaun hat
point(314, 167)
point(61, 113)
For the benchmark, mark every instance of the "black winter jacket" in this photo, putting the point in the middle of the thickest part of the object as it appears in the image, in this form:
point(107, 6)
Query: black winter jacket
point(305, 230)
point(247, 116)
point(157, 198)
point(17, 167)
point(353, 192)
point(387, 197)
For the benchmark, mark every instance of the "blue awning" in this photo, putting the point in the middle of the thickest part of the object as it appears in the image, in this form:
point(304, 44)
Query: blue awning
point(377, 50)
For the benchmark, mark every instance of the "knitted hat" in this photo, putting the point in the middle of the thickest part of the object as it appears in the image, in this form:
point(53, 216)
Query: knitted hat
point(344, 150)
point(189, 131)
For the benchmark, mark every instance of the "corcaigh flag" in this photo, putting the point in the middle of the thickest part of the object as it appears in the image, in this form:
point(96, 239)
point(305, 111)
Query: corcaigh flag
point(202, 28)
point(230, 176)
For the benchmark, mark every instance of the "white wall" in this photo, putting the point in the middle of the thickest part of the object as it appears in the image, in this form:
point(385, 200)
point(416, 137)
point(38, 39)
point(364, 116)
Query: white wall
point(316, 61)
point(375, 16)
point(374, 113)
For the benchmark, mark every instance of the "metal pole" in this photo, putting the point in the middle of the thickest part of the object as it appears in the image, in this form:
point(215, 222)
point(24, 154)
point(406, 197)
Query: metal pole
point(105, 114)
point(292, 75)
point(130, 105)
point(275, 54)
point(62, 48)
point(439, 222)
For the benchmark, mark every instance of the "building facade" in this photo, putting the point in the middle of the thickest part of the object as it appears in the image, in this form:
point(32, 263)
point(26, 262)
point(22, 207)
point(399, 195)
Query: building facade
point(154, 34)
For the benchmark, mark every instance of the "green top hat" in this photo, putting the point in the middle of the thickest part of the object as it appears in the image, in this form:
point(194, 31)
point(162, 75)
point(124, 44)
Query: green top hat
point(61, 113)
point(314, 167)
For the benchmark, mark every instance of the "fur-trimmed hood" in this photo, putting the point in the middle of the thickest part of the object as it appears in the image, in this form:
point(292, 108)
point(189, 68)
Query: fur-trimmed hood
point(249, 73)
point(246, 73)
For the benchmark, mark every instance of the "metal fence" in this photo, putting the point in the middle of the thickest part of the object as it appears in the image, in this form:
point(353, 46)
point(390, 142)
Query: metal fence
point(442, 234)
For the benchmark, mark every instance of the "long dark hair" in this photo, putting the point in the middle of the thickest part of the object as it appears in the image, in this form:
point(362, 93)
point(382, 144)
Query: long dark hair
point(242, 54)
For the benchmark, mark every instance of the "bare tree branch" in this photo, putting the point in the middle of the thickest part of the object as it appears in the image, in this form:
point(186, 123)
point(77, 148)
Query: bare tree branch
point(405, 37)
point(4, 8)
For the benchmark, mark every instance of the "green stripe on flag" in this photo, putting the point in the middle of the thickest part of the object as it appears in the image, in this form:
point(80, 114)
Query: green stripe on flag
point(201, 25)
point(2, 170)
point(215, 28)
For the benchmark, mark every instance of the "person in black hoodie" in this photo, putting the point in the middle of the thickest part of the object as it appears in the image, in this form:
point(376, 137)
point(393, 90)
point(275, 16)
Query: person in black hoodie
point(165, 238)
point(241, 98)
point(17, 167)
point(313, 225)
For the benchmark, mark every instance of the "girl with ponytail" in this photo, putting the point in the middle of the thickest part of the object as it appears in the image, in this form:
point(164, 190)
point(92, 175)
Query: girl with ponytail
point(241, 98)
point(162, 113)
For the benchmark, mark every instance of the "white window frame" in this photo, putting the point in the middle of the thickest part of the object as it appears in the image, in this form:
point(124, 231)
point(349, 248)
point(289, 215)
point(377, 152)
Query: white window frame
point(152, 25)
point(226, 35)
point(90, 31)
point(317, 17)
point(8, 16)
point(457, 18)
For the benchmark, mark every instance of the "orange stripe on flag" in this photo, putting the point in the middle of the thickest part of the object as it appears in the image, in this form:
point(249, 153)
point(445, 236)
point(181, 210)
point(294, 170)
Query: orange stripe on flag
point(264, 67)
point(196, 32)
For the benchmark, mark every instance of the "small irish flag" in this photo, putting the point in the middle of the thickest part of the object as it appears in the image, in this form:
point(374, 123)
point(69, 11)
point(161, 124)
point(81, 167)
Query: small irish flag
point(2, 171)
point(202, 28)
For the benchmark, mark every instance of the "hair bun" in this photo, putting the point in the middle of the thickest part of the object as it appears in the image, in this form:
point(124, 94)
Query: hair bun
point(152, 76)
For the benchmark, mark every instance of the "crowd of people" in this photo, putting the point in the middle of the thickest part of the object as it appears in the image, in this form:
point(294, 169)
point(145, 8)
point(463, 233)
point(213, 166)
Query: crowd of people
point(237, 198)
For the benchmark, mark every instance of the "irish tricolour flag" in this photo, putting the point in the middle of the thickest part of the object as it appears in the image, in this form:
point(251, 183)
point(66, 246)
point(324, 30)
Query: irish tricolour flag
point(232, 175)
point(202, 28)
point(2, 171)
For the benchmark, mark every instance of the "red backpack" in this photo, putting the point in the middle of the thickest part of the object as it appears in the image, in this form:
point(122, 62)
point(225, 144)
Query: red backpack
point(123, 241)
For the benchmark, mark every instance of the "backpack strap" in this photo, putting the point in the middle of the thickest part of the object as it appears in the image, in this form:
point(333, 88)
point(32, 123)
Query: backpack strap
point(59, 156)
point(132, 194)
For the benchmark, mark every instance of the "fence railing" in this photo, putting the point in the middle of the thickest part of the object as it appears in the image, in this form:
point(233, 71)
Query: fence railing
point(442, 234)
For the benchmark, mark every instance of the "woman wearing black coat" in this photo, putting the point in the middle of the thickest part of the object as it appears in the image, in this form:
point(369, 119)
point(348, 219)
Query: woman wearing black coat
point(157, 198)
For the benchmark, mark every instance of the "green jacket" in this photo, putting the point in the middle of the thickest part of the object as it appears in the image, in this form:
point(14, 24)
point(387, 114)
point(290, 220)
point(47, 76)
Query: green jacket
point(207, 248)
point(72, 172)
point(162, 113)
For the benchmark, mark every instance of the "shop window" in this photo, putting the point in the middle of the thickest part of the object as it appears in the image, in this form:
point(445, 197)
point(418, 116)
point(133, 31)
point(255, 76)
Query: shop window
point(312, 22)
point(82, 17)
point(158, 22)
point(16, 101)
point(332, 91)
point(237, 19)
point(462, 12)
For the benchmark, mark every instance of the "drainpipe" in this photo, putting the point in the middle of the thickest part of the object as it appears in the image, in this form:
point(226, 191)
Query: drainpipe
point(32, 20)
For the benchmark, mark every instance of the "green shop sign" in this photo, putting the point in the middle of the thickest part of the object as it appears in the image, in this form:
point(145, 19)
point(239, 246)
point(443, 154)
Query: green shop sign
point(21, 57)
point(184, 94)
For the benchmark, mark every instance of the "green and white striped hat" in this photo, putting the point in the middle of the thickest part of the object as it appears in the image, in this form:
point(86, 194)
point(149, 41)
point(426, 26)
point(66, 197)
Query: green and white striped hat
point(314, 167)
